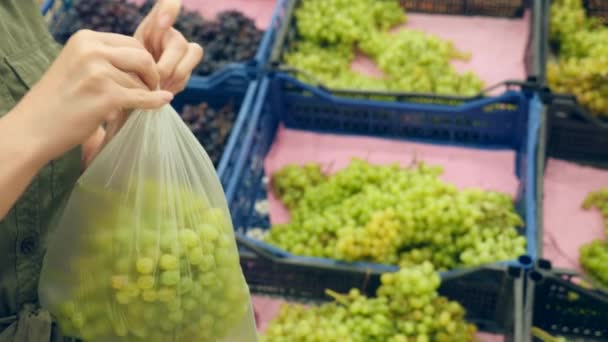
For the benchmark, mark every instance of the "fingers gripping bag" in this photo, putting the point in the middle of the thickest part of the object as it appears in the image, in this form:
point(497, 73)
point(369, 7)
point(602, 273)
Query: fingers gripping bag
point(144, 249)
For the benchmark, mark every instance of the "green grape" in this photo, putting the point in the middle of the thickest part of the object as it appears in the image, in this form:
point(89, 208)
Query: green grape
point(292, 181)
point(400, 216)
point(144, 289)
point(406, 308)
point(188, 238)
point(583, 77)
point(594, 259)
point(345, 21)
point(145, 265)
point(415, 61)
point(168, 262)
point(169, 278)
point(330, 31)
point(583, 55)
point(594, 255)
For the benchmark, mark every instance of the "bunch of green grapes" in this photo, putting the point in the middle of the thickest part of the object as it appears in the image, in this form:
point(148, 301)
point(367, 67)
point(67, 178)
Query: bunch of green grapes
point(415, 61)
point(582, 67)
point(399, 216)
point(156, 265)
point(594, 256)
point(406, 308)
point(586, 43)
point(345, 21)
point(566, 17)
point(292, 181)
point(598, 200)
point(412, 61)
point(586, 78)
point(330, 65)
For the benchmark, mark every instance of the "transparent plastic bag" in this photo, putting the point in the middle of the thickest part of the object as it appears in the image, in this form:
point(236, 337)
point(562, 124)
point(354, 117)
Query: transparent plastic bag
point(144, 249)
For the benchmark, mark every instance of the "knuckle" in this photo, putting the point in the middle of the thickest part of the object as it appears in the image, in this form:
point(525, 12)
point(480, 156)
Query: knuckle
point(183, 41)
point(181, 75)
point(165, 71)
point(175, 34)
point(196, 48)
point(111, 99)
point(144, 59)
point(82, 34)
point(136, 42)
point(87, 52)
point(180, 42)
point(96, 74)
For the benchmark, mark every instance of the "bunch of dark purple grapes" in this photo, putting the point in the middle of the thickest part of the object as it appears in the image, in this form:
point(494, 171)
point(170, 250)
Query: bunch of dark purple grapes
point(231, 37)
point(118, 16)
point(211, 127)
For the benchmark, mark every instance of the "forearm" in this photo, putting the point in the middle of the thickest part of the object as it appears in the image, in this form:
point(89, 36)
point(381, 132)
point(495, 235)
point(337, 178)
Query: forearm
point(21, 157)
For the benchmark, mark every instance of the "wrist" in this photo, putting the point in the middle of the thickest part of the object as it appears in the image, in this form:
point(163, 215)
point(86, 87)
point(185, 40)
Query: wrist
point(23, 136)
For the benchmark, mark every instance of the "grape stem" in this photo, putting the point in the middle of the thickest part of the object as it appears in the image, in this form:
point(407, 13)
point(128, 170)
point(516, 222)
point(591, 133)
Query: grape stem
point(338, 297)
point(543, 335)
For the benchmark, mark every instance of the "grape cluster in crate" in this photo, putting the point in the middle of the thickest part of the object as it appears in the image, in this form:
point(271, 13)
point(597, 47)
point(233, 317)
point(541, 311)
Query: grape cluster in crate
point(594, 256)
point(582, 65)
point(394, 215)
point(210, 126)
point(329, 35)
point(231, 37)
point(406, 308)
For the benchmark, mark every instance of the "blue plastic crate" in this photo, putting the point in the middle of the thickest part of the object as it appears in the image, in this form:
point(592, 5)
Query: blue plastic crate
point(534, 55)
point(560, 303)
point(228, 85)
point(509, 121)
point(46, 6)
point(492, 295)
point(574, 133)
point(252, 67)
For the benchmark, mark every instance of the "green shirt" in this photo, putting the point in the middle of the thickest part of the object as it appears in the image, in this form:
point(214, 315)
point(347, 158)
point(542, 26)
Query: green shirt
point(26, 51)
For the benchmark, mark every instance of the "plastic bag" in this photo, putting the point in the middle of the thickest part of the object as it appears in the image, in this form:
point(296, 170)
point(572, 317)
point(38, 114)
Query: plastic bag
point(144, 249)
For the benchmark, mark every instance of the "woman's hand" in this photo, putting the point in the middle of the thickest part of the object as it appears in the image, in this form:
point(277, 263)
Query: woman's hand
point(176, 57)
point(94, 78)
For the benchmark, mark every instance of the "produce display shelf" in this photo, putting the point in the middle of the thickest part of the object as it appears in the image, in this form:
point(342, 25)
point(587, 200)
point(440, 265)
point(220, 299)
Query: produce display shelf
point(509, 121)
point(533, 58)
point(574, 133)
point(253, 67)
point(563, 303)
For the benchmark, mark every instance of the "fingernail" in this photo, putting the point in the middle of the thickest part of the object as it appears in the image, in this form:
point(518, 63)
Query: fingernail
point(164, 20)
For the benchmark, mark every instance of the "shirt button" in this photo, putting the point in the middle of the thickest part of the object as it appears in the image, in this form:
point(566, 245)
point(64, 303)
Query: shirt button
point(28, 245)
